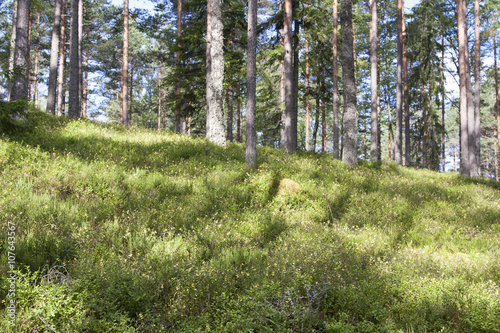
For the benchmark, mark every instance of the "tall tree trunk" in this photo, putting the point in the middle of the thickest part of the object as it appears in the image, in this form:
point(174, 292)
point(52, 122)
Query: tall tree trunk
point(251, 140)
point(424, 126)
point(37, 63)
point(12, 50)
point(399, 87)
point(239, 122)
point(308, 122)
point(124, 96)
point(476, 172)
point(178, 62)
point(159, 101)
point(497, 106)
point(80, 50)
point(62, 61)
point(406, 97)
point(296, 65)
point(131, 95)
point(85, 85)
point(282, 86)
point(443, 93)
point(374, 148)
point(56, 30)
point(350, 124)
point(74, 76)
point(462, 66)
point(336, 145)
point(323, 120)
point(288, 64)
point(390, 136)
point(21, 55)
point(316, 124)
point(230, 104)
point(208, 65)
point(215, 102)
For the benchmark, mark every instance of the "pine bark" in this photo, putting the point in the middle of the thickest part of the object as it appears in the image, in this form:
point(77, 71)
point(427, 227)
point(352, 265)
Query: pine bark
point(215, 102)
point(497, 107)
point(288, 68)
point(85, 85)
point(251, 138)
point(374, 147)
point(54, 48)
point(296, 64)
point(476, 171)
point(307, 93)
point(399, 87)
point(37, 67)
point(178, 61)
point(159, 100)
point(443, 93)
point(350, 124)
point(21, 53)
point(62, 61)
point(74, 76)
point(230, 102)
point(12, 50)
point(336, 144)
point(80, 52)
point(124, 94)
point(462, 67)
point(406, 97)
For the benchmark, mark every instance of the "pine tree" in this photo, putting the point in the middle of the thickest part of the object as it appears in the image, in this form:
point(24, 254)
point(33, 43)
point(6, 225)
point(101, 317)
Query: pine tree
point(51, 97)
point(251, 137)
point(74, 84)
point(124, 94)
point(21, 55)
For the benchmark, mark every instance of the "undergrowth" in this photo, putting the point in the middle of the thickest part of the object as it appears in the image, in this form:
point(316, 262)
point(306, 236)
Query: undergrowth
point(156, 232)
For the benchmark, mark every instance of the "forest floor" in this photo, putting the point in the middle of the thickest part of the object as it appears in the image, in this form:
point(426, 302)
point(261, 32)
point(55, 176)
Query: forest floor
point(130, 230)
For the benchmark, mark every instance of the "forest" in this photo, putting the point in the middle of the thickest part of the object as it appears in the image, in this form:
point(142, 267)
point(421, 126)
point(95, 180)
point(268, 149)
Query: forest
point(261, 166)
point(424, 90)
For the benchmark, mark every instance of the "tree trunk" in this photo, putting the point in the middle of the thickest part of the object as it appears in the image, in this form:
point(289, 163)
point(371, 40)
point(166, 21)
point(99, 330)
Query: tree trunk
point(85, 85)
point(316, 124)
point(80, 51)
point(178, 62)
point(350, 124)
point(296, 65)
point(497, 107)
point(62, 61)
point(36, 69)
point(131, 95)
point(239, 123)
point(443, 93)
point(230, 104)
point(74, 83)
point(159, 101)
point(462, 67)
point(374, 148)
point(12, 50)
point(215, 102)
point(282, 85)
point(323, 122)
point(336, 145)
point(406, 97)
point(476, 172)
point(21, 55)
point(308, 122)
point(399, 87)
point(390, 136)
point(288, 65)
point(251, 140)
point(424, 126)
point(124, 97)
point(51, 97)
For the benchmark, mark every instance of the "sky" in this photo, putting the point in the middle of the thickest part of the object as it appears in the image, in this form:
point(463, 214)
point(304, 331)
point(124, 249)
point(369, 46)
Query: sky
point(145, 4)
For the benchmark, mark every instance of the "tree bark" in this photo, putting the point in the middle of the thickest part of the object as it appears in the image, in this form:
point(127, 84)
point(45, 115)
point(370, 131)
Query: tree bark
point(497, 107)
point(37, 66)
point(288, 65)
point(443, 93)
point(406, 96)
point(239, 123)
point(124, 94)
point(350, 124)
point(80, 51)
point(296, 65)
point(159, 101)
point(308, 122)
point(336, 145)
point(21, 53)
point(282, 86)
point(85, 85)
point(62, 61)
point(178, 61)
point(131, 95)
point(462, 67)
point(215, 102)
point(251, 139)
point(12, 50)
point(51, 97)
point(476, 172)
point(74, 84)
point(316, 124)
point(323, 118)
point(374, 148)
point(399, 87)
point(230, 104)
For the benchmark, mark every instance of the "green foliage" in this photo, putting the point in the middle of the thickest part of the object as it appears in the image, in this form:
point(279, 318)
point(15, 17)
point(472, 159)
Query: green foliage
point(154, 232)
point(9, 112)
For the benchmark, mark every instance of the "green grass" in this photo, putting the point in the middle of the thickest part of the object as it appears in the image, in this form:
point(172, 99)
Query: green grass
point(166, 233)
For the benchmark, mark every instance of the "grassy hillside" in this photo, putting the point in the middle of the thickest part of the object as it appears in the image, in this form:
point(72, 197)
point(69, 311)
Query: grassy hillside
point(123, 230)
